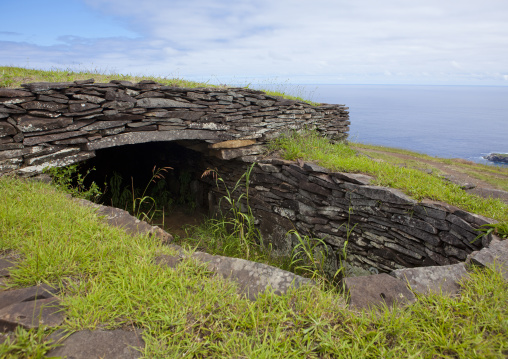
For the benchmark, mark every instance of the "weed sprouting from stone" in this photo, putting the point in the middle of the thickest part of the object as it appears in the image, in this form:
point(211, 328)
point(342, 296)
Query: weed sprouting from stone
point(310, 258)
point(238, 221)
point(144, 207)
point(70, 180)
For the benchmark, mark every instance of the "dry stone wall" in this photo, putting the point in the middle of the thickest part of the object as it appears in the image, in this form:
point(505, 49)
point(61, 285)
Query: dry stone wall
point(385, 229)
point(56, 124)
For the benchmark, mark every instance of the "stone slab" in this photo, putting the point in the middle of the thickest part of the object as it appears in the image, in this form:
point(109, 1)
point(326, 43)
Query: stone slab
point(312, 167)
point(375, 290)
point(119, 96)
point(152, 136)
point(253, 278)
point(357, 178)
point(31, 141)
point(89, 98)
point(100, 125)
point(52, 156)
point(43, 105)
point(123, 219)
point(32, 170)
point(232, 144)
point(10, 297)
point(5, 266)
point(496, 253)
point(157, 102)
point(436, 279)
point(82, 82)
point(212, 126)
point(45, 86)
point(7, 92)
point(79, 107)
point(167, 260)
point(228, 154)
point(384, 194)
point(32, 314)
point(110, 344)
point(6, 129)
point(186, 115)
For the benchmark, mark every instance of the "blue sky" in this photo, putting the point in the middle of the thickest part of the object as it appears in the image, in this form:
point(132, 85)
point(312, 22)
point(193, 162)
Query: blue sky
point(443, 42)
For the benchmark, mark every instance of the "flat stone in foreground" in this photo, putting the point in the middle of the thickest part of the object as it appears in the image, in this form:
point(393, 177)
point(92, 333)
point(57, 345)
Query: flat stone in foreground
point(253, 278)
point(370, 291)
point(497, 253)
point(41, 312)
point(5, 266)
point(167, 260)
point(9, 297)
point(110, 344)
point(436, 279)
point(119, 218)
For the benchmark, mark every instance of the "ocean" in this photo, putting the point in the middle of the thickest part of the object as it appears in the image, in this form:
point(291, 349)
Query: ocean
point(447, 121)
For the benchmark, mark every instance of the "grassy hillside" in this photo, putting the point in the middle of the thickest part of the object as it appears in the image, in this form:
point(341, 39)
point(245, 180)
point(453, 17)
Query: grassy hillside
point(416, 183)
point(110, 281)
point(496, 176)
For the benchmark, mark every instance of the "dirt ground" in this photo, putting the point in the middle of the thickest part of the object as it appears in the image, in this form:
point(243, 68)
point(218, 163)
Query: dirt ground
point(178, 219)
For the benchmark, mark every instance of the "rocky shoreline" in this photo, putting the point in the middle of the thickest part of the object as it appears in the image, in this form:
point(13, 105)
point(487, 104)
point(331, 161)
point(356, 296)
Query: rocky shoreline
point(497, 157)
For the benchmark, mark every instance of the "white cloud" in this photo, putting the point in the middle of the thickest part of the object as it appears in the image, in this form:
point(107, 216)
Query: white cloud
point(323, 40)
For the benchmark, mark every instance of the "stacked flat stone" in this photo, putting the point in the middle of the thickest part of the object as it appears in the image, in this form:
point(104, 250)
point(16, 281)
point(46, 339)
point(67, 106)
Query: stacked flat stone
point(55, 124)
point(387, 229)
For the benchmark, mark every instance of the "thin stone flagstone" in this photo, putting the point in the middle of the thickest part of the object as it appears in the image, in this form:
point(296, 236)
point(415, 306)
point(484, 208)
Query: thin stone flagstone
point(5, 266)
point(253, 278)
point(9, 297)
point(436, 279)
point(375, 290)
point(496, 253)
point(106, 344)
point(32, 314)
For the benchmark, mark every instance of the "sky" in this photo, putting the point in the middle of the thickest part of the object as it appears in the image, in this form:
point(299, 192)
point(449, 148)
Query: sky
point(438, 42)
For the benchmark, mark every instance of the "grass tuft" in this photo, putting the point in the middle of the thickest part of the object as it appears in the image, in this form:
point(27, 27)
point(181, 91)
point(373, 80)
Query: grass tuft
point(14, 77)
point(341, 157)
point(497, 176)
point(112, 281)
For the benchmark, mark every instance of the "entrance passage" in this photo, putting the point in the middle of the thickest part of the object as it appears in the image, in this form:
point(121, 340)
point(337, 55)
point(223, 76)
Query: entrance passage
point(158, 181)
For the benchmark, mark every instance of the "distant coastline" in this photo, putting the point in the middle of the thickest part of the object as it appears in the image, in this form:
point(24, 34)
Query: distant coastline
point(467, 122)
point(498, 158)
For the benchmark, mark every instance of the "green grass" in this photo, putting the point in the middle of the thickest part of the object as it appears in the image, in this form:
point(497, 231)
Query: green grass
point(186, 312)
point(285, 95)
point(494, 175)
point(419, 185)
point(393, 150)
point(501, 183)
point(455, 161)
point(13, 77)
point(111, 280)
point(234, 234)
point(27, 344)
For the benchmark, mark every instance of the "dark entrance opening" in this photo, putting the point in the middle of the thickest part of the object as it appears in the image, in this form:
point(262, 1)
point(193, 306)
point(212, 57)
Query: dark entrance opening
point(159, 182)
